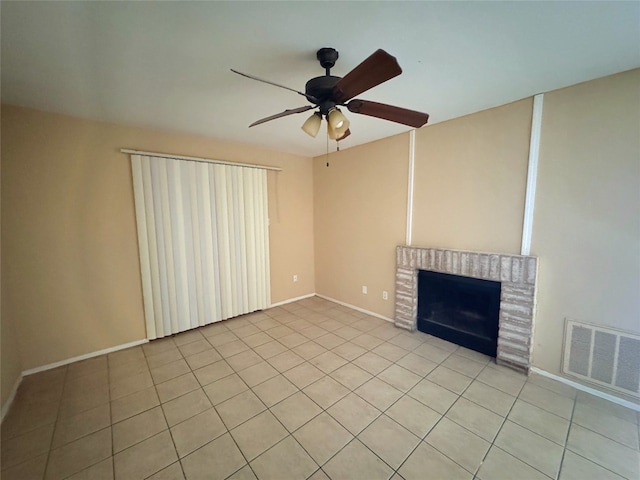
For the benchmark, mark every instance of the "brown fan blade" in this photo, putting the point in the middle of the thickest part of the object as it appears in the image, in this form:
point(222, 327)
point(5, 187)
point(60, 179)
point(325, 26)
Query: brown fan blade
point(309, 97)
point(283, 114)
point(388, 112)
point(346, 134)
point(376, 69)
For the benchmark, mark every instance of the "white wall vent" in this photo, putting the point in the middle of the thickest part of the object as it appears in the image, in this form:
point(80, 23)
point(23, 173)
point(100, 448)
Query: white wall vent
point(602, 356)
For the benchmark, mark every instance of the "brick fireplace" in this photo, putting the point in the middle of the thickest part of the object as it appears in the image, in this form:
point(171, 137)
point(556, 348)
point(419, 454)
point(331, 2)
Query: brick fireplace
point(516, 273)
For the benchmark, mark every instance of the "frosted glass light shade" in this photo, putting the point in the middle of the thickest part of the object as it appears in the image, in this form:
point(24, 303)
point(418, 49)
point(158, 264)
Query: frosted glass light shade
point(312, 125)
point(337, 121)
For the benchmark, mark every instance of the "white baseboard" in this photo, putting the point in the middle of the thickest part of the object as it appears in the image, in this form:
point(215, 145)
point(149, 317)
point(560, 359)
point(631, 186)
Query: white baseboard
point(291, 300)
point(373, 314)
point(12, 396)
point(584, 388)
point(84, 357)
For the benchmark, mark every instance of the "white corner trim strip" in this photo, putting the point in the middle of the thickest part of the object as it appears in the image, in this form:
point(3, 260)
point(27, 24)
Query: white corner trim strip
point(344, 304)
point(412, 162)
point(584, 388)
point(84, 357)
point(291, 300)
point(532, 174)
point(12, 396)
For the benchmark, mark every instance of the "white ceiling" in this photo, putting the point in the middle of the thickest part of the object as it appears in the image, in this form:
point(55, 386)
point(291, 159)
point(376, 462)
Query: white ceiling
point(166, 64)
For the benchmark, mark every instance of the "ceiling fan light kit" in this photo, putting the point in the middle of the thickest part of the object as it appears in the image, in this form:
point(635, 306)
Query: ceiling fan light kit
point(328, 92)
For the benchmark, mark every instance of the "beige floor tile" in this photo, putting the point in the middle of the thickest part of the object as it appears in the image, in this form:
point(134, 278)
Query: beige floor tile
point(347, 332)
point(325, 392)
point(443, 344)
point(540, 421)
point(476, 419)
point(258, 434)
point(319, 475)
point(177, 387)
point(212, 372)
point(459, 444)
point(222, 338)
point(138, 428)
point(232, 348)
point(386, 331)
point(26, 446)
point(531, 448)
point(353, 413)
point(267, 324)
point(379, 394)
point(433, 396)
point(87, 367)
point(505, 380)
point(183, 338)
point(473, 355)
point(124, 370)
point(553, 385)
point(356, 461)
point(32, 469)
point(605, 452)
point(197, 431)
point(309, 350)
point(130, 385)
point(24, 417)
point(76, 456)
point(489, 397)
point(417, 364)
point(245, 473)
point(607, 407)
point(499, 465)
point(169, 371)
point(328, 361)
point(425, 458)
point(414, 416)
point(186, 406)
point(246, 331)
point(607, 424)
point(125, 356)
point(351, 376)
point(303, 375)
point(100, 471)
point(463, 365)
point(329, 340)
point(172, 472)
point(258, 373)
point(270, 349)
point(432, 352)
point(367, 341)
point(145, 458)
point(322, 437)
point(170, 355)
point(239, 409)
point(293, 340)
point(86, 400)
point(390, 351)
point(399, 377)
point(372, 363)
point(575, 467)
point(244, 360)
point(257, 339)
point(203, 359)
point(449, 379)
point(407, 340)
point(287, 460)
point(547, 400)
point(86, 382)
point(349, 351)
point(295, 411)
point(72, 428)
point(313, 332)
point(215, 461)
point(389, 440)
point(285, 361)
point(158, 346)
point(134, 404)
point(224, 389)
point(279, 331)
point(275, 390)
point(192, 348)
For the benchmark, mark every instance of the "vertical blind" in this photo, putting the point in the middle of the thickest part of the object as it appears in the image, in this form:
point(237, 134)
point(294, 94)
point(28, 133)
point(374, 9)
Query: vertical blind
point(203, 239)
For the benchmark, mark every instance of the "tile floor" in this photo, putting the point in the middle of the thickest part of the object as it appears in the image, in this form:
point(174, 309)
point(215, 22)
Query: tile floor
point(309, 390)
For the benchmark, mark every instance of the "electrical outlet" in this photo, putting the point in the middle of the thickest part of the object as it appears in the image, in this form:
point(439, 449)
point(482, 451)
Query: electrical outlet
point(385, 295)
point(364, 289)
point(295, 278)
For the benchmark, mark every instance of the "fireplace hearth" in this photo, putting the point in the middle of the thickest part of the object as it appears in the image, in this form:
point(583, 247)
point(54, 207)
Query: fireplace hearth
point(516, 274)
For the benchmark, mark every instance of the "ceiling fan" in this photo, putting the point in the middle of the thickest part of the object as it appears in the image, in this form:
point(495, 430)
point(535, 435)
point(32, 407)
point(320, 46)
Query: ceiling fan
point(328, 92)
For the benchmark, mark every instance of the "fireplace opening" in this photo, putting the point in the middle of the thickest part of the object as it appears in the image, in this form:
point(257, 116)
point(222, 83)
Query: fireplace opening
point(461, 310)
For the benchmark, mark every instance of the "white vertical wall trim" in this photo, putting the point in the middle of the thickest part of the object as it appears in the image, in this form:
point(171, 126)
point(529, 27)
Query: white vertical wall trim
point(532, 174)
point(412, 159)
point(203, 238)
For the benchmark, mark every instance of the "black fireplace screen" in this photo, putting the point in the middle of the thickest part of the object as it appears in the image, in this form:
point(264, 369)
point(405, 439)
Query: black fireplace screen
point(462, 310)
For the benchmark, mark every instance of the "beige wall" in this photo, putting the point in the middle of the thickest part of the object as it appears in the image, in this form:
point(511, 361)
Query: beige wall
point(470, 180)
point(360, 216)
point(587, 215)
point(71, 281)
